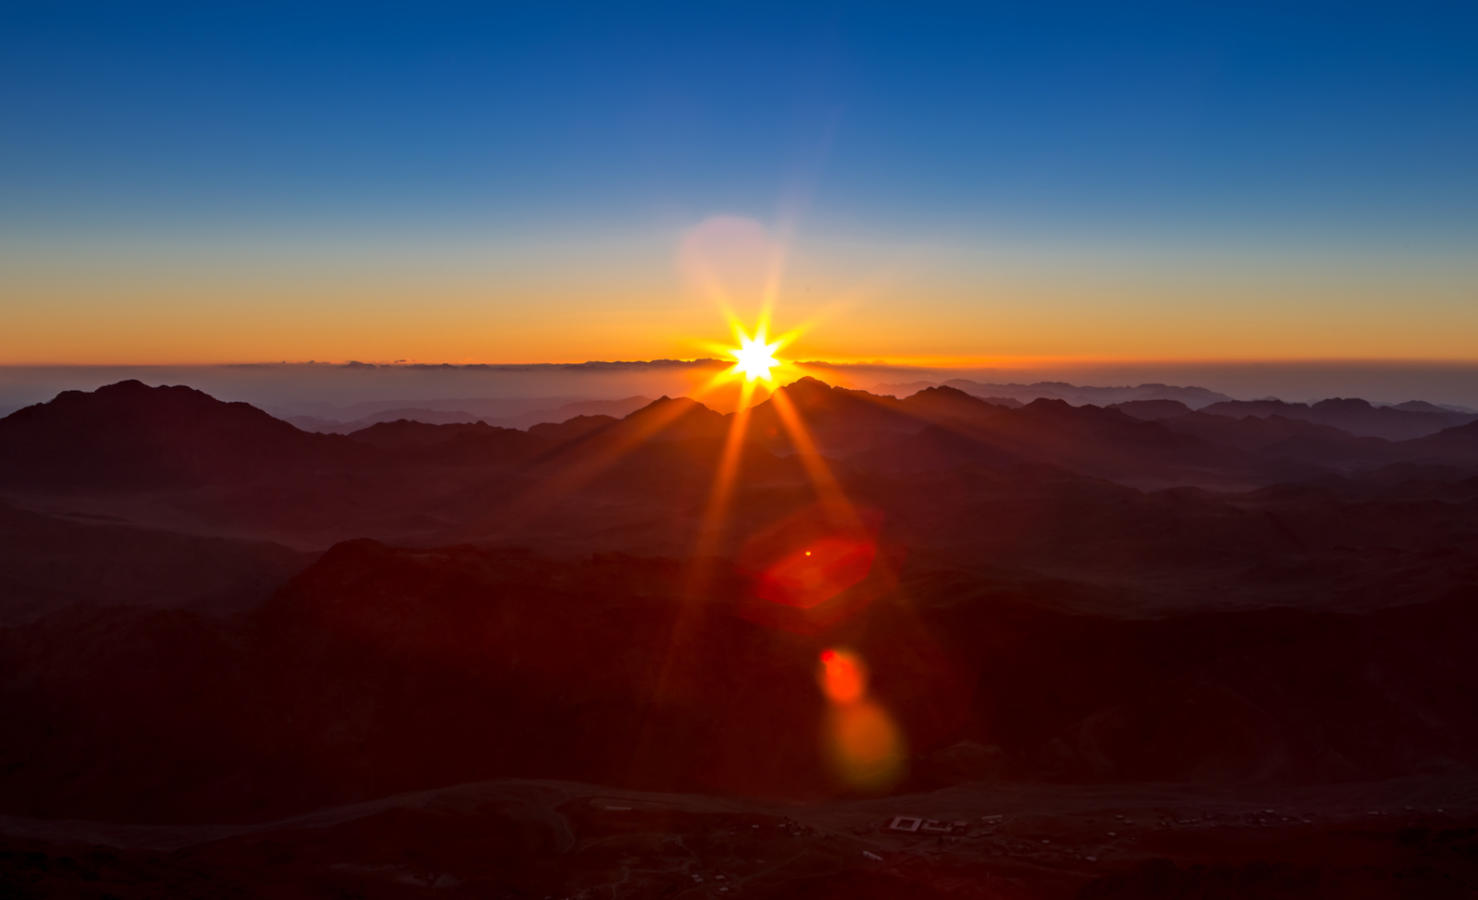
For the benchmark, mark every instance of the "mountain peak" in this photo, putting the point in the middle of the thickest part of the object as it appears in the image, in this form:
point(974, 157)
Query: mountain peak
point(811, 393)
point(945, 402)
point(669, 417)
point(944, 390)
point(807, 385)
point(128, 385)
point(134, 434)
point(132, 399)
point(669, 405)
point(1048, 404)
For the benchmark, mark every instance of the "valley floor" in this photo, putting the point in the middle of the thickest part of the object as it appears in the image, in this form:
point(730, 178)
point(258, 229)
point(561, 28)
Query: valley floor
point(1411, 837)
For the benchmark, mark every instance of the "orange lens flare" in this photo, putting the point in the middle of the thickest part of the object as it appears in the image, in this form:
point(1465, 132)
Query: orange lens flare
point(864, 746)
point(861, 743)
point(842, 676)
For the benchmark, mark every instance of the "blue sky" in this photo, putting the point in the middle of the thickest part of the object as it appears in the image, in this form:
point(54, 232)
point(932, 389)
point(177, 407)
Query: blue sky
point(1061, 114)
point(1337, 126)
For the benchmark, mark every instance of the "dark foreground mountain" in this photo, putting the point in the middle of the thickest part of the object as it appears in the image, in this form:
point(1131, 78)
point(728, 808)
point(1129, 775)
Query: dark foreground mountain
point(459, 664)
point(1140, 652)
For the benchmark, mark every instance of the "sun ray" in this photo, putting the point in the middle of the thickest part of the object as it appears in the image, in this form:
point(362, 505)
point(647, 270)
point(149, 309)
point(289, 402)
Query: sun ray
point(561, 483)
point(728, 469)
point(774, 274)
point(828, 490)
point(709, 534)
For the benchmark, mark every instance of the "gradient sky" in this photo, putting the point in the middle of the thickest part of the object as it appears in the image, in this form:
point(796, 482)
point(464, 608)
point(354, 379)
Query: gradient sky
point(516, 183)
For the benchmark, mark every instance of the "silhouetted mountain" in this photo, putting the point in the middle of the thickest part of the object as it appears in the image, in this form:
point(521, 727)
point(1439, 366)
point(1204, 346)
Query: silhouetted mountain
point(1251, 432)
point(1277, 437)
point(665, 452)
point(945, 404)
point(837, 419)
point(465, 444)
point(557, 632)
point(1356, 416)
point(1090, 440)
point(933, 450)
point(50, 563)
point(668, 418)
point(413, 414)
point(1422, 406)
point(500, 412)
point(1107, 443)
point(461, 663)
point(576, 409)
point(1152, 410)
point(1454, 446)
point(570, 429)
point(131, 435)
point(382, 483)
point(1076, 395)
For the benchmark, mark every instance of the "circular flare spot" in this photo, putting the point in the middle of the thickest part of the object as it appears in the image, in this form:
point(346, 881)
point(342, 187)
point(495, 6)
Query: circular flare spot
point(864, 746)
point(842, 676)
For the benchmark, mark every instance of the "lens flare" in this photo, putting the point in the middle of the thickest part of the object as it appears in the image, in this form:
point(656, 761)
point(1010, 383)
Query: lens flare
point(842, 676)
point(818, 573)
point(863, 746)
point(860, 741)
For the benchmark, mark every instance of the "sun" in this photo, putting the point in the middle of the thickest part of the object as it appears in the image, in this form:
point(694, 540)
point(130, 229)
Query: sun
point(756, 365)
point(755, 355)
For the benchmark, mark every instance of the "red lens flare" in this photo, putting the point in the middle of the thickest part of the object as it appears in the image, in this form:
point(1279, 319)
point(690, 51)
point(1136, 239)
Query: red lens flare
point(808, 577)
point(842, 676)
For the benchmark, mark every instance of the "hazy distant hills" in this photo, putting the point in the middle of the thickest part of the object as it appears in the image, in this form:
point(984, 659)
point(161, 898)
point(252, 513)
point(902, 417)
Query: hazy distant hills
point(1076, 395)
point(502, 412)
point(1353, 415)
point(132, 437)
point(961, 476)
point(1414, 418)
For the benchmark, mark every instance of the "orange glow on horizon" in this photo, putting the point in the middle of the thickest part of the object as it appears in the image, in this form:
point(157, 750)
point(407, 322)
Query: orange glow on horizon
point(157, 299)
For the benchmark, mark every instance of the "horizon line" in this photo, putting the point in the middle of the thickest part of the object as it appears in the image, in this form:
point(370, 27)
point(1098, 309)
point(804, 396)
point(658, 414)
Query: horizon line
point(941, 362)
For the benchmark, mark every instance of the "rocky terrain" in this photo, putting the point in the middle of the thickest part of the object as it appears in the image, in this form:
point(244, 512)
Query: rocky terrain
point(1137, 650)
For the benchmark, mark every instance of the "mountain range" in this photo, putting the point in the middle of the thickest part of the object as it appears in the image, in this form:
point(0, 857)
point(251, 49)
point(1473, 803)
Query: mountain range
point(1077, 395)
point(211, 615)
point(502, 412)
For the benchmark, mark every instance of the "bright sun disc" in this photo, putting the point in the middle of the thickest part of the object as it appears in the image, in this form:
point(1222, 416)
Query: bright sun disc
point(755, 357)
